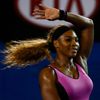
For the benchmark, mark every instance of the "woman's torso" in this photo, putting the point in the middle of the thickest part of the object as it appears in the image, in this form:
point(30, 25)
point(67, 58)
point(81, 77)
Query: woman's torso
point(76, 89)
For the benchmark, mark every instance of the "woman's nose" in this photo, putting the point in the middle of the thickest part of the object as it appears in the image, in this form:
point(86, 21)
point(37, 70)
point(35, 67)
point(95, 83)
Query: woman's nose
point(76, 43)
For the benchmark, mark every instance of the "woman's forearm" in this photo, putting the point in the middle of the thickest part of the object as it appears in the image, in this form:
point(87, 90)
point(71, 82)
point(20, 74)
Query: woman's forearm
point(78, 20)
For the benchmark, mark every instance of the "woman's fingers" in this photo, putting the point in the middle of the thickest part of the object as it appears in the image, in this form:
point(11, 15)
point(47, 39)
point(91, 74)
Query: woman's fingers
point(42, 6)
point(40, 17)
point(38, 12)
point(45, 12)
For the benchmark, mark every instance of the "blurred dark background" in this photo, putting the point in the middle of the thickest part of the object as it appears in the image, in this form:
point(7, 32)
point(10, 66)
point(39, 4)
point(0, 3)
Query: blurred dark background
point(22, 84)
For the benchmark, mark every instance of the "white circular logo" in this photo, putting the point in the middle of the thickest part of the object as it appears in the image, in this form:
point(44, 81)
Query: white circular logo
point(83, 7)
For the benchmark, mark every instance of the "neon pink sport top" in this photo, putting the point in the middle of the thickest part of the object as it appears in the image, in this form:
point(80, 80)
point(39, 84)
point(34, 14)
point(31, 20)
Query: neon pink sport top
point(77, 89)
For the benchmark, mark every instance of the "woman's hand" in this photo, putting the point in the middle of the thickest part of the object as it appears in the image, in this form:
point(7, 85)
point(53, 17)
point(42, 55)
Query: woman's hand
point(44, 12)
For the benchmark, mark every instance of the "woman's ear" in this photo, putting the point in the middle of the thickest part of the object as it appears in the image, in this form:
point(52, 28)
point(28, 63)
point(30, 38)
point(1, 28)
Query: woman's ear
point(56, 44)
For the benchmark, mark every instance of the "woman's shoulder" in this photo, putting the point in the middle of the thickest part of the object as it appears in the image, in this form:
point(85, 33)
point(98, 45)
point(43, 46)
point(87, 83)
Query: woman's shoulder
point(47, 73)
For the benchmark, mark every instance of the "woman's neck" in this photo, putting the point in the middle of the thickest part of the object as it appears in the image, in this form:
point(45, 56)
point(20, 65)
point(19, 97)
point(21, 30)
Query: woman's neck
point(64, 61)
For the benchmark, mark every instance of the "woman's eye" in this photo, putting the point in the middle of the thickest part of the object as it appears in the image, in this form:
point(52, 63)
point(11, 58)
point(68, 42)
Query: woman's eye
point(68, 40)
point(71, 39)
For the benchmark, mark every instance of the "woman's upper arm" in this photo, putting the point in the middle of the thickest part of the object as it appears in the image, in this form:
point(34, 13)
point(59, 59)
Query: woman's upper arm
point(86, 42)
point(47, 81)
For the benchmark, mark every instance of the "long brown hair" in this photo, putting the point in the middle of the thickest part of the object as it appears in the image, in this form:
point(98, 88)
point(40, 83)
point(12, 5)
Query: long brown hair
point(24, 52)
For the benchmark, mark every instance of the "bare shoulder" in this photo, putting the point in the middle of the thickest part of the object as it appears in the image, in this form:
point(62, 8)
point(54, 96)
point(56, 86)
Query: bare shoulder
point(48, 84)
point(47, 74)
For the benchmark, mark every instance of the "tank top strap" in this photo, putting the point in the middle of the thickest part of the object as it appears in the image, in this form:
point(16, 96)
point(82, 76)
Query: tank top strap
point(55, 71)
point(80, 68)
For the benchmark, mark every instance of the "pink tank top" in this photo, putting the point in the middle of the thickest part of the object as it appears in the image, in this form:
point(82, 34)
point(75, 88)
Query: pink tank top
point(77, 89)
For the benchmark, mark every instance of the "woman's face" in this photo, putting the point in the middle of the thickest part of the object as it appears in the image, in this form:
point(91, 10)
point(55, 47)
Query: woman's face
point(67, 44)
